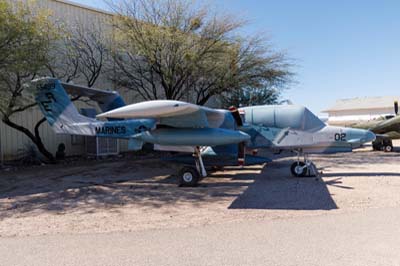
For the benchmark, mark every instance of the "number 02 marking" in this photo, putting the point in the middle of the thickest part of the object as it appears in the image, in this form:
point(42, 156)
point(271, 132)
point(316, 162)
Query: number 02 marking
point(340, 136)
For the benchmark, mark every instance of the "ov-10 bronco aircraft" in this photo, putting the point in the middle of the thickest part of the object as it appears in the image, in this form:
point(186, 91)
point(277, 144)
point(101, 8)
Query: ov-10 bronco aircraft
point(181, 124)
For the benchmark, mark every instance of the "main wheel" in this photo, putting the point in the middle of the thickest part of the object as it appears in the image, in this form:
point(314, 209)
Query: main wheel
point(377, 146)
point(188, 177)
point(298, 169)
point(388, 148)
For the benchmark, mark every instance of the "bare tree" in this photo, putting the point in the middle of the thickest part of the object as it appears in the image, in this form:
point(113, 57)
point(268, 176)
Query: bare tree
point(174, 49)
point(81, 54)
point(162, 45)
point(19, 101)
point(25, 36)
point(34, 49)
point(258, 77)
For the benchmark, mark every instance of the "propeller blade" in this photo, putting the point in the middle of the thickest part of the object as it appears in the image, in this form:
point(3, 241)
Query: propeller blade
point(396, 107)
point(236, 115)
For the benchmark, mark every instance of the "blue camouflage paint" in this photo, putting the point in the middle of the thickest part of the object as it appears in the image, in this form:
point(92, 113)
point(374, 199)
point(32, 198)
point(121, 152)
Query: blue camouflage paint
point(63, 116)
point(52, 99)
point(123, 128)
point(283, 116)
point(260, 137)
point(223, 150)
point(195, 119)
point(111, 103)
point(229, 122)
point(193, 136)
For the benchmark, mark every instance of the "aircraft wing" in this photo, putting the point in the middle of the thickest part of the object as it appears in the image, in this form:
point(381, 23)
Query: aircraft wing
point(172, 113)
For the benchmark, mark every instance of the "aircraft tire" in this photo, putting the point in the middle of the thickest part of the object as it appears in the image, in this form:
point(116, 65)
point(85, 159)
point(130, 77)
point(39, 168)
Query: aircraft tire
point(188, 177)
point(388, 148)
point(295, 171)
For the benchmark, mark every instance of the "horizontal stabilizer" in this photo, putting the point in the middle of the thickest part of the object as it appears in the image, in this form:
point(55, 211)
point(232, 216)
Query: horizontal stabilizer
point(107, 100)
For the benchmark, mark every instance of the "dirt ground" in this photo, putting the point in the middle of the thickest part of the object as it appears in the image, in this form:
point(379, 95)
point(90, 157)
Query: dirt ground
point(125, 195)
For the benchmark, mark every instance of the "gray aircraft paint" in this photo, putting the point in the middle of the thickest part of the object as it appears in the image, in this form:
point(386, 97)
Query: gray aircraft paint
point(293, 127)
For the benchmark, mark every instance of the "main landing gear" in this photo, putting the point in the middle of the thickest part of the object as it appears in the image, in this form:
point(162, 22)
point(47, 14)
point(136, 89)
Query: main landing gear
point(190, 176)
point(382, 144)
point(303, 169)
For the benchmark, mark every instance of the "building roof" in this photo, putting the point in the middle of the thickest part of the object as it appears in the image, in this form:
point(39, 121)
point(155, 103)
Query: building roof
point(74, 3)
point(363, 103)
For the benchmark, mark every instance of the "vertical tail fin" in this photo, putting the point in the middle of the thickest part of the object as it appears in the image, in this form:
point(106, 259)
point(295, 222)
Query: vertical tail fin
point(64, 118)
point(56, 105)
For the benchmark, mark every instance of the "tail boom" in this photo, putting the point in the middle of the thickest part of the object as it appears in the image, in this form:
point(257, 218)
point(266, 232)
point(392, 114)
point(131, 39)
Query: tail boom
point(64, 118)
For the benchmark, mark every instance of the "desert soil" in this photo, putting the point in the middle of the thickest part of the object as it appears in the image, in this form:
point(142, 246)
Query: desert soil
point(135, 195)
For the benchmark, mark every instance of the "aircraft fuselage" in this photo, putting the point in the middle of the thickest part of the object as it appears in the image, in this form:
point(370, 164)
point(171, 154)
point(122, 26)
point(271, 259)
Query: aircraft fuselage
point(295, 128)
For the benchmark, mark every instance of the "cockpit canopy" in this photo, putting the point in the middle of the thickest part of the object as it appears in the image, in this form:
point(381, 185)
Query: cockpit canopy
point(282, 116)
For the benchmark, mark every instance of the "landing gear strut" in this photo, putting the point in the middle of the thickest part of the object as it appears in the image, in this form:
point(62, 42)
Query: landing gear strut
point(303, 169)
point(190, 176)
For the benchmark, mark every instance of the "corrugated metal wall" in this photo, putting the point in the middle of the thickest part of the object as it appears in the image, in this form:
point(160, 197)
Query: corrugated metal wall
point(12, 142)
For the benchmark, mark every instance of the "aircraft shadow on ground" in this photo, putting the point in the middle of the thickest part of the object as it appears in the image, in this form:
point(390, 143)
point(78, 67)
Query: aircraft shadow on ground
point(88, 188)
point(274, 190)
point(112, 185)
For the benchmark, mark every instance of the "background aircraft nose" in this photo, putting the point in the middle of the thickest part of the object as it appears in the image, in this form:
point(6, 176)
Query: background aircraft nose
point(360, 136)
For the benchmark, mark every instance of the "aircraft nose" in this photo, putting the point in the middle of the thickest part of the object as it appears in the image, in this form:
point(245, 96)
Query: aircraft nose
point(369, 136)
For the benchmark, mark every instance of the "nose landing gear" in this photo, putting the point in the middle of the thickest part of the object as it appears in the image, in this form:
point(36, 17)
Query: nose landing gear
point(303, 169)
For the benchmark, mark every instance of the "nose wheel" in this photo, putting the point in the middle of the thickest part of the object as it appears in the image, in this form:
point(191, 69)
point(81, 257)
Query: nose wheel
point(298, 169)
point(303, 169)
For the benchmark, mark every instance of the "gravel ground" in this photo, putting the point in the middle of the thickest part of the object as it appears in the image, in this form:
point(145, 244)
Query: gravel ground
point(125, 196)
